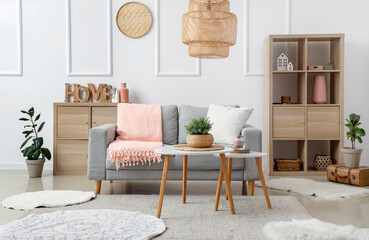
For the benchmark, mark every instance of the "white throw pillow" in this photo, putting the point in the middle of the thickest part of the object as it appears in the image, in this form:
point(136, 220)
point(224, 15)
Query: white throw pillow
point(227, 122)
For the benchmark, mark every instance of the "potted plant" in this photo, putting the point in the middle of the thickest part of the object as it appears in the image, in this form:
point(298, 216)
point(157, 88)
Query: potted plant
point(198, 133)
point(351, 155)
point(35, 153)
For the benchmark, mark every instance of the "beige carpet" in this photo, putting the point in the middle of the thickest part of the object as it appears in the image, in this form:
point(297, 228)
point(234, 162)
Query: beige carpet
point(196, 219)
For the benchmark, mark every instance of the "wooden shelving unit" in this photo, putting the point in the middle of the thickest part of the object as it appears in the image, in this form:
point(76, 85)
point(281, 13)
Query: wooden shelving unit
point(303, 129)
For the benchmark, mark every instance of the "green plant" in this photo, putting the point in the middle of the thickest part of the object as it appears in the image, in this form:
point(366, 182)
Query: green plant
point(199, 126)
point(33, 151)
point(354, 133)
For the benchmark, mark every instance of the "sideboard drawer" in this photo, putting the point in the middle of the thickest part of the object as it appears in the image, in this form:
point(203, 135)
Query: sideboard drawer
point(323, 122)
point(72, 157)
point(103, 115)
point(73, 122)
point(288, 122)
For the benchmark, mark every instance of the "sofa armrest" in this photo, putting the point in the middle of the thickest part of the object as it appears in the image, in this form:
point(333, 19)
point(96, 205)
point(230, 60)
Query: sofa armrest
point(99, 140)
point(253, 141)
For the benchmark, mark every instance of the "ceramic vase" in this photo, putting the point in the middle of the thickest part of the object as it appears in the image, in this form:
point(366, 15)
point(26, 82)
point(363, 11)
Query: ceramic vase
point(123, 93)
point(319, 89)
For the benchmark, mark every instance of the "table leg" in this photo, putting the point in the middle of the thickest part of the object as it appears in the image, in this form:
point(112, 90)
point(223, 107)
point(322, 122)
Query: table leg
point(184, 180)
point(162, 187)
point(227, 181)
point(251, 187)
point(262, 179)
point(230, 160)
point(219, 188)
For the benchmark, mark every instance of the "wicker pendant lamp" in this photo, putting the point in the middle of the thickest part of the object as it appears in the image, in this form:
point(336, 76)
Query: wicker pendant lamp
point(209, 29)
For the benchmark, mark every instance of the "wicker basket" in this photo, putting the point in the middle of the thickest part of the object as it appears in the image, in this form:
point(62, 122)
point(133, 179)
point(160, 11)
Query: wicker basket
point(321, 162)
point(287, 165)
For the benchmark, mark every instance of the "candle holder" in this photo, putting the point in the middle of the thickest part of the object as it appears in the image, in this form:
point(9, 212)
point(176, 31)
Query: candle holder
point(239, 145)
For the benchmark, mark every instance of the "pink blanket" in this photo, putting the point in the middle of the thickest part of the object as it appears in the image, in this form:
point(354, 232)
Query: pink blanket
point(139, 134)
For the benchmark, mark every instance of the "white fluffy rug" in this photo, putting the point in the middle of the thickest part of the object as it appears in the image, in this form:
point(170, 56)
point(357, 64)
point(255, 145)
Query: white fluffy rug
point(197, 220)
point(323, 190)
point(312, 229)
point(48, 198)
point(84, 224)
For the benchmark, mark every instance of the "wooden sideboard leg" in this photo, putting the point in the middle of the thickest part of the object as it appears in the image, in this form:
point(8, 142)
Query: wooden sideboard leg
point(97, 186)
point(244, 188)
point(251, 187)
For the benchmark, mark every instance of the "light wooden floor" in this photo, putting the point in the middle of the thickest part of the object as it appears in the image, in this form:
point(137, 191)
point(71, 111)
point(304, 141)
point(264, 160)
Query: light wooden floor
point(352, 211)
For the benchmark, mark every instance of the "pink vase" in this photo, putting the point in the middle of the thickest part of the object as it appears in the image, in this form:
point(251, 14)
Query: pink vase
point(319, 89)
point(123, 94)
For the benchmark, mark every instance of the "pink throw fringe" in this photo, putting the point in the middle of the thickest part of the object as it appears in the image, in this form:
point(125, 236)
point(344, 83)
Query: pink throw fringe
point(131, 153)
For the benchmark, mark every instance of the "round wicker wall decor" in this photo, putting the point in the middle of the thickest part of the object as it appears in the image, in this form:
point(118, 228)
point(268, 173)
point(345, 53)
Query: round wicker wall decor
point(134, 19)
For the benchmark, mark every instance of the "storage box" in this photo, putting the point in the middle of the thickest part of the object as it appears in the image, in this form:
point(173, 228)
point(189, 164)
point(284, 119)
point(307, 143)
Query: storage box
point(355, 176)
point(316, 67)
point(287, 165)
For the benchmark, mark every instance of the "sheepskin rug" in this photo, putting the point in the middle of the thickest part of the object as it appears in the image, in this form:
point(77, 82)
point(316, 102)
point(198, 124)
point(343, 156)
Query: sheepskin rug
point(312, 229)
point(47, 198)
point(321, 190)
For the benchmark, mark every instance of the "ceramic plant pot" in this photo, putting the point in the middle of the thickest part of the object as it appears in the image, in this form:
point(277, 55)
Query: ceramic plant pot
point(35, 167)
point(200, 141)
point(351, 157)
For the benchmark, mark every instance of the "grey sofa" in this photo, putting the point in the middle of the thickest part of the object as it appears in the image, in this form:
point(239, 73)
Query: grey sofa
point(206, 168)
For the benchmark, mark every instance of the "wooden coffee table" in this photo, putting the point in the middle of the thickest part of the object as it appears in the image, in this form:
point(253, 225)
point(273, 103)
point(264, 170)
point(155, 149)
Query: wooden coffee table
point(168, 151)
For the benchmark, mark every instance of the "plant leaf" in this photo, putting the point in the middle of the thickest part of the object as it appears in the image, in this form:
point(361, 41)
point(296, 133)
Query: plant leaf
point(31, 111)
point(38, 142)
point(46, 153)
point(36, 154)
point(40, 127)
point(38, 117)
point(23, 119)
point(25, 142)
point(359, 139)
point(23, 111)
point(29, 150)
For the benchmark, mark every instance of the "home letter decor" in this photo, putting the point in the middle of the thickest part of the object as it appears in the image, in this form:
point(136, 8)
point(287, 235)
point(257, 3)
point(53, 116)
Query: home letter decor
point(70, 93)
point(102, 94)
point(96, 94)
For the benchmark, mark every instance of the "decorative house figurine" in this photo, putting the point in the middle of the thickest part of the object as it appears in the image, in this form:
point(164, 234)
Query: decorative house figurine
point(290, 67)
point(282, 62)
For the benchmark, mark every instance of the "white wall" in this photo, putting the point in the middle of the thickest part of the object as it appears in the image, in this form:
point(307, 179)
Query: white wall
point(158, 72)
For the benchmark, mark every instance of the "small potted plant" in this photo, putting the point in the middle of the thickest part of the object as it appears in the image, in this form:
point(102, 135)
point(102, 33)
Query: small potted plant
point(35, 153)
point(351, 155)
point(198, 133)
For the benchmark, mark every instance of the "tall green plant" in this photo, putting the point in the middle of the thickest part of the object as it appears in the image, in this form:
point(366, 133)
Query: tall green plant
point(355, 132)
point(32, 130)
point(199, 126)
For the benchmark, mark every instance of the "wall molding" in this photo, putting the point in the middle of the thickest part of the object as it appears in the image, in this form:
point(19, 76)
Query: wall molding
point(19, 71)
point(247, 71)
point(70, 72)
point(158, 73)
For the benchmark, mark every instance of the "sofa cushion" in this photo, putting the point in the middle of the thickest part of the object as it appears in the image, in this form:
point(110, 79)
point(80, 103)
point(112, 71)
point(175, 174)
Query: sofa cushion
point(170, 124)
point(227, 122)
point(186, 114)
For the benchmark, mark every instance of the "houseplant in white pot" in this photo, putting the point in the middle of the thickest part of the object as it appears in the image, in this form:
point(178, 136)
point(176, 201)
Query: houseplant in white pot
point(198, 133)
point(351, 155)
point(35, 153)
